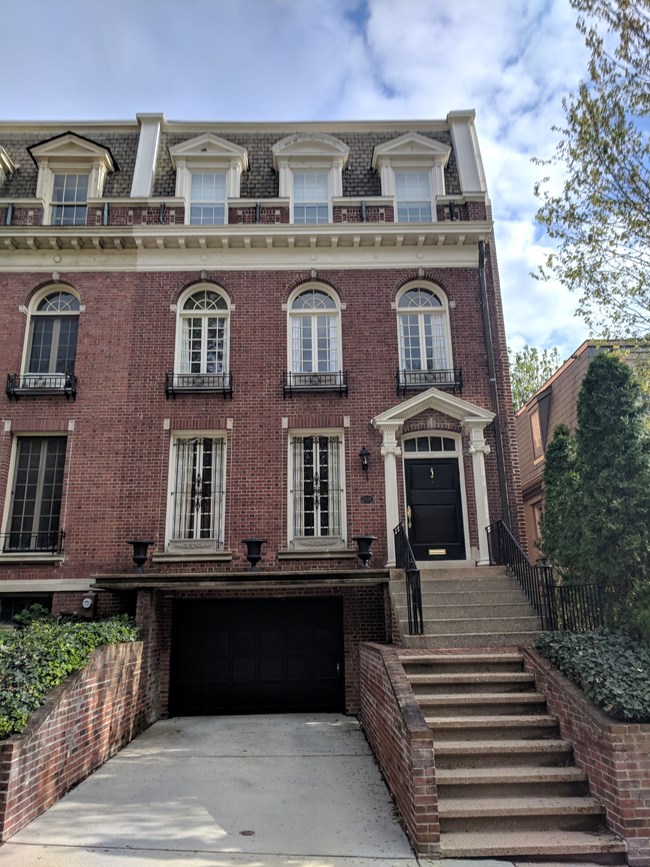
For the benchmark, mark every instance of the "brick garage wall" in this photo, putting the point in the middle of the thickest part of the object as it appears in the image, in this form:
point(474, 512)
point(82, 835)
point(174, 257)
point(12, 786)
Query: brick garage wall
point(84, 722)
point(402, 743)
point(614, 755)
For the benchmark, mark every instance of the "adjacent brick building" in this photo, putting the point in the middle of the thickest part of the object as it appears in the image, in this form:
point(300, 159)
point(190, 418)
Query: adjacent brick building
point(215, 332)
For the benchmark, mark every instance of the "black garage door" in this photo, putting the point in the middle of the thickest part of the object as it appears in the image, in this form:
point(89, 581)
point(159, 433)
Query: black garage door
point(256, 656)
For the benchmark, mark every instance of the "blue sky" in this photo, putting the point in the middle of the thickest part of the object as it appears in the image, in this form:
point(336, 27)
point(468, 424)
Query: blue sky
point(511, 60)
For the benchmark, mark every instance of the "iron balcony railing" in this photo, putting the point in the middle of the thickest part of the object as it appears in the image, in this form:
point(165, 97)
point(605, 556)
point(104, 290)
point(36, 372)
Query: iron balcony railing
point(187, 383)
point(570, 607)
point(414, 380)
point(336, 381)
point(405, 559)
point(43, 542)
point(35, 384)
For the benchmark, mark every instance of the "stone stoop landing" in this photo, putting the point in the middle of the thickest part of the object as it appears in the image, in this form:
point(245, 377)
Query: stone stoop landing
point(479, 606)
point(507, 785)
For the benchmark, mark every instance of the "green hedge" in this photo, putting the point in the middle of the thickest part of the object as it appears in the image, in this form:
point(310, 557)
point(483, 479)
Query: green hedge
point(37, 658)
point(612, 669)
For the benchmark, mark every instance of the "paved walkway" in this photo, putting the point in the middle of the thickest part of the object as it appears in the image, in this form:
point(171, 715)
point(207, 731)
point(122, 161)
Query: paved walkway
point(299, 790)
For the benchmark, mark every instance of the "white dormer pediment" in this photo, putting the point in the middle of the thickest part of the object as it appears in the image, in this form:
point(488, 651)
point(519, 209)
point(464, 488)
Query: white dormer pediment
point(211, 149)
point(318, 147)
point(411, 146)
point(72, 149)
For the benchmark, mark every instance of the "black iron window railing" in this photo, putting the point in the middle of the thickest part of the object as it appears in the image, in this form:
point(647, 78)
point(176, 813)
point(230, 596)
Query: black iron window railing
point(34, 384)
point(186, 383)
point(336, 380)
point(569, 607)
point(43, 542)
point(414, 380)
point(405, 559)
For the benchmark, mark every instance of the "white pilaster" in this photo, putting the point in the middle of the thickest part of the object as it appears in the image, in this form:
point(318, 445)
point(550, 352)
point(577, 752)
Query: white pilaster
point(390, 451)
point(478, 448)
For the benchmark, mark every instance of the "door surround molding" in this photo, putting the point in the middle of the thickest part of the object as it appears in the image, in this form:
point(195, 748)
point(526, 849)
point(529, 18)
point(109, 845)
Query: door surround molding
point(473, 420)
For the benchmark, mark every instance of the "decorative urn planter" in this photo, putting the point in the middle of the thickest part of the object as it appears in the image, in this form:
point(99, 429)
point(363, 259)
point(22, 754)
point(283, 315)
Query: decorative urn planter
point(254, 550)
point(364, 544)
point(140, 547)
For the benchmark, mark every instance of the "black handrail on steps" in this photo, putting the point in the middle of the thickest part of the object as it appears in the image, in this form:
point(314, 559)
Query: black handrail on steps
point(405, 559)
point(570, 607)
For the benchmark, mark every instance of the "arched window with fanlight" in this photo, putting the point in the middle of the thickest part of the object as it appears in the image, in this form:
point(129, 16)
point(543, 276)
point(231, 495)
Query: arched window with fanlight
point(51, 345)
point(314, 342)
point(424, 339)
point(202, 344)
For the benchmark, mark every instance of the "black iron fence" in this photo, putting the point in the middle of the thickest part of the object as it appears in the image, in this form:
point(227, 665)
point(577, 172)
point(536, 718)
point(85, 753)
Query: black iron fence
point(570, 607)
point(43, 542)
point(405, 559)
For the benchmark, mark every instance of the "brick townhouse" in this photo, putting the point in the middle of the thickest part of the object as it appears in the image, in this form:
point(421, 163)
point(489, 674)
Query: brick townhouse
point(215, 332)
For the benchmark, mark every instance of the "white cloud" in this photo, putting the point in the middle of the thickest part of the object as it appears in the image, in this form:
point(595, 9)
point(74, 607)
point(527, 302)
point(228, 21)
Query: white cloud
point(511, 60)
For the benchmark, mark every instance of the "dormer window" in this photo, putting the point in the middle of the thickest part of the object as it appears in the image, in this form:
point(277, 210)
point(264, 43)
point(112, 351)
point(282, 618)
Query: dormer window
point(71, 170)
point(310, 169)
point(208, 174)
point(412, 169)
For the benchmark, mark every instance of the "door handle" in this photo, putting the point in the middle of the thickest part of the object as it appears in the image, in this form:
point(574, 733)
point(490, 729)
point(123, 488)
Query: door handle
point(408, 517)
point(338, 669)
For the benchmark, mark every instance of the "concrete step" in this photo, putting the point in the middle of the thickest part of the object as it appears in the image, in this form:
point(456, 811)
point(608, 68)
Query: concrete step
point(452, 641)
point(448, 626)
point(460, 754)
point(482, 704)
point(435, 611)
point(493, 727)
point(436, 597)
point(510, 782)
point(511, 681)
point(466, 585)
point(441, 570)
point(520, 813)
point(503, 660)
point(602, 848)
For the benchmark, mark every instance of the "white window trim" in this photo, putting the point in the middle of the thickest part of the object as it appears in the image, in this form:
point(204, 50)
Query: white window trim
point(208, 153)
point(444, 310)
point(195, 546)
point(310, 153)
point(50, 289)
point(180, 315)
point(319, 287)
point(21, 557)
point(412, 152)
point(310, 544)
point(458, 454)
point(69, 155)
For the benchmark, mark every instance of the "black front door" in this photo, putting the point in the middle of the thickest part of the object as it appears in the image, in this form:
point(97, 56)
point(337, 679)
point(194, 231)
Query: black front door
point(434, 509)
point(257, 656)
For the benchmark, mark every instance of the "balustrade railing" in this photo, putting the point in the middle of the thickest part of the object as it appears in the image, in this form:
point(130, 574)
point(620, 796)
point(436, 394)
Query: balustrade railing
point(570, 607)
point(405, 559)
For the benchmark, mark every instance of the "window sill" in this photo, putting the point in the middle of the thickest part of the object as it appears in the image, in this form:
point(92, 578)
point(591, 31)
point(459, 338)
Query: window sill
point(316, 554)
point(31, 557)
point(218, 556)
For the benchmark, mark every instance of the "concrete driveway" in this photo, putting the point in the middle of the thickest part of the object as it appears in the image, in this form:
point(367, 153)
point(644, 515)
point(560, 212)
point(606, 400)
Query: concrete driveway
point(298, 790)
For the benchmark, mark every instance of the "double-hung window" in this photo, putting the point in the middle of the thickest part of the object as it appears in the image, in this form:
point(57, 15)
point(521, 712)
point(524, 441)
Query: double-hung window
point(69, 200)
point(423, 331)
point(208, 198)
point(197, 493)
point(310, 197)
point(413, 196)
point(35, 512)
point(316, 490)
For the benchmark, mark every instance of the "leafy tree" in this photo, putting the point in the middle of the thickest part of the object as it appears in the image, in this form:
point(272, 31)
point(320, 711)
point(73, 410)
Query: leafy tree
point(613, 468)
point(561, 517)
point(529, 370)
point(601, 217)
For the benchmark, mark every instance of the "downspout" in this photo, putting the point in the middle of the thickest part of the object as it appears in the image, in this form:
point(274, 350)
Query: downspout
point(501, 466)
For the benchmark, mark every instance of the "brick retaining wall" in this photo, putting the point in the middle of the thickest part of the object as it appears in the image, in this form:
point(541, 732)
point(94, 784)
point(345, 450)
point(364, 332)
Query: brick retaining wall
point(402, 743)
point(85, 721)
point(614, 755)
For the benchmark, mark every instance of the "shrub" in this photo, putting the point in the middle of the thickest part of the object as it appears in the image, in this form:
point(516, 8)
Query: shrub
point(38, 657)
point(612, 669)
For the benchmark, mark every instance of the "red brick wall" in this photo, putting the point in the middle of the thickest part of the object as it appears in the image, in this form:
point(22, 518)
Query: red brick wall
point(614, 755)
point(402, 743)
point(84, 722)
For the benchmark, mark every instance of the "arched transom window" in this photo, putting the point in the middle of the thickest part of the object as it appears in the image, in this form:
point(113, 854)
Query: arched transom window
point(203, 345)
point(424, 342)
point(314, 325)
